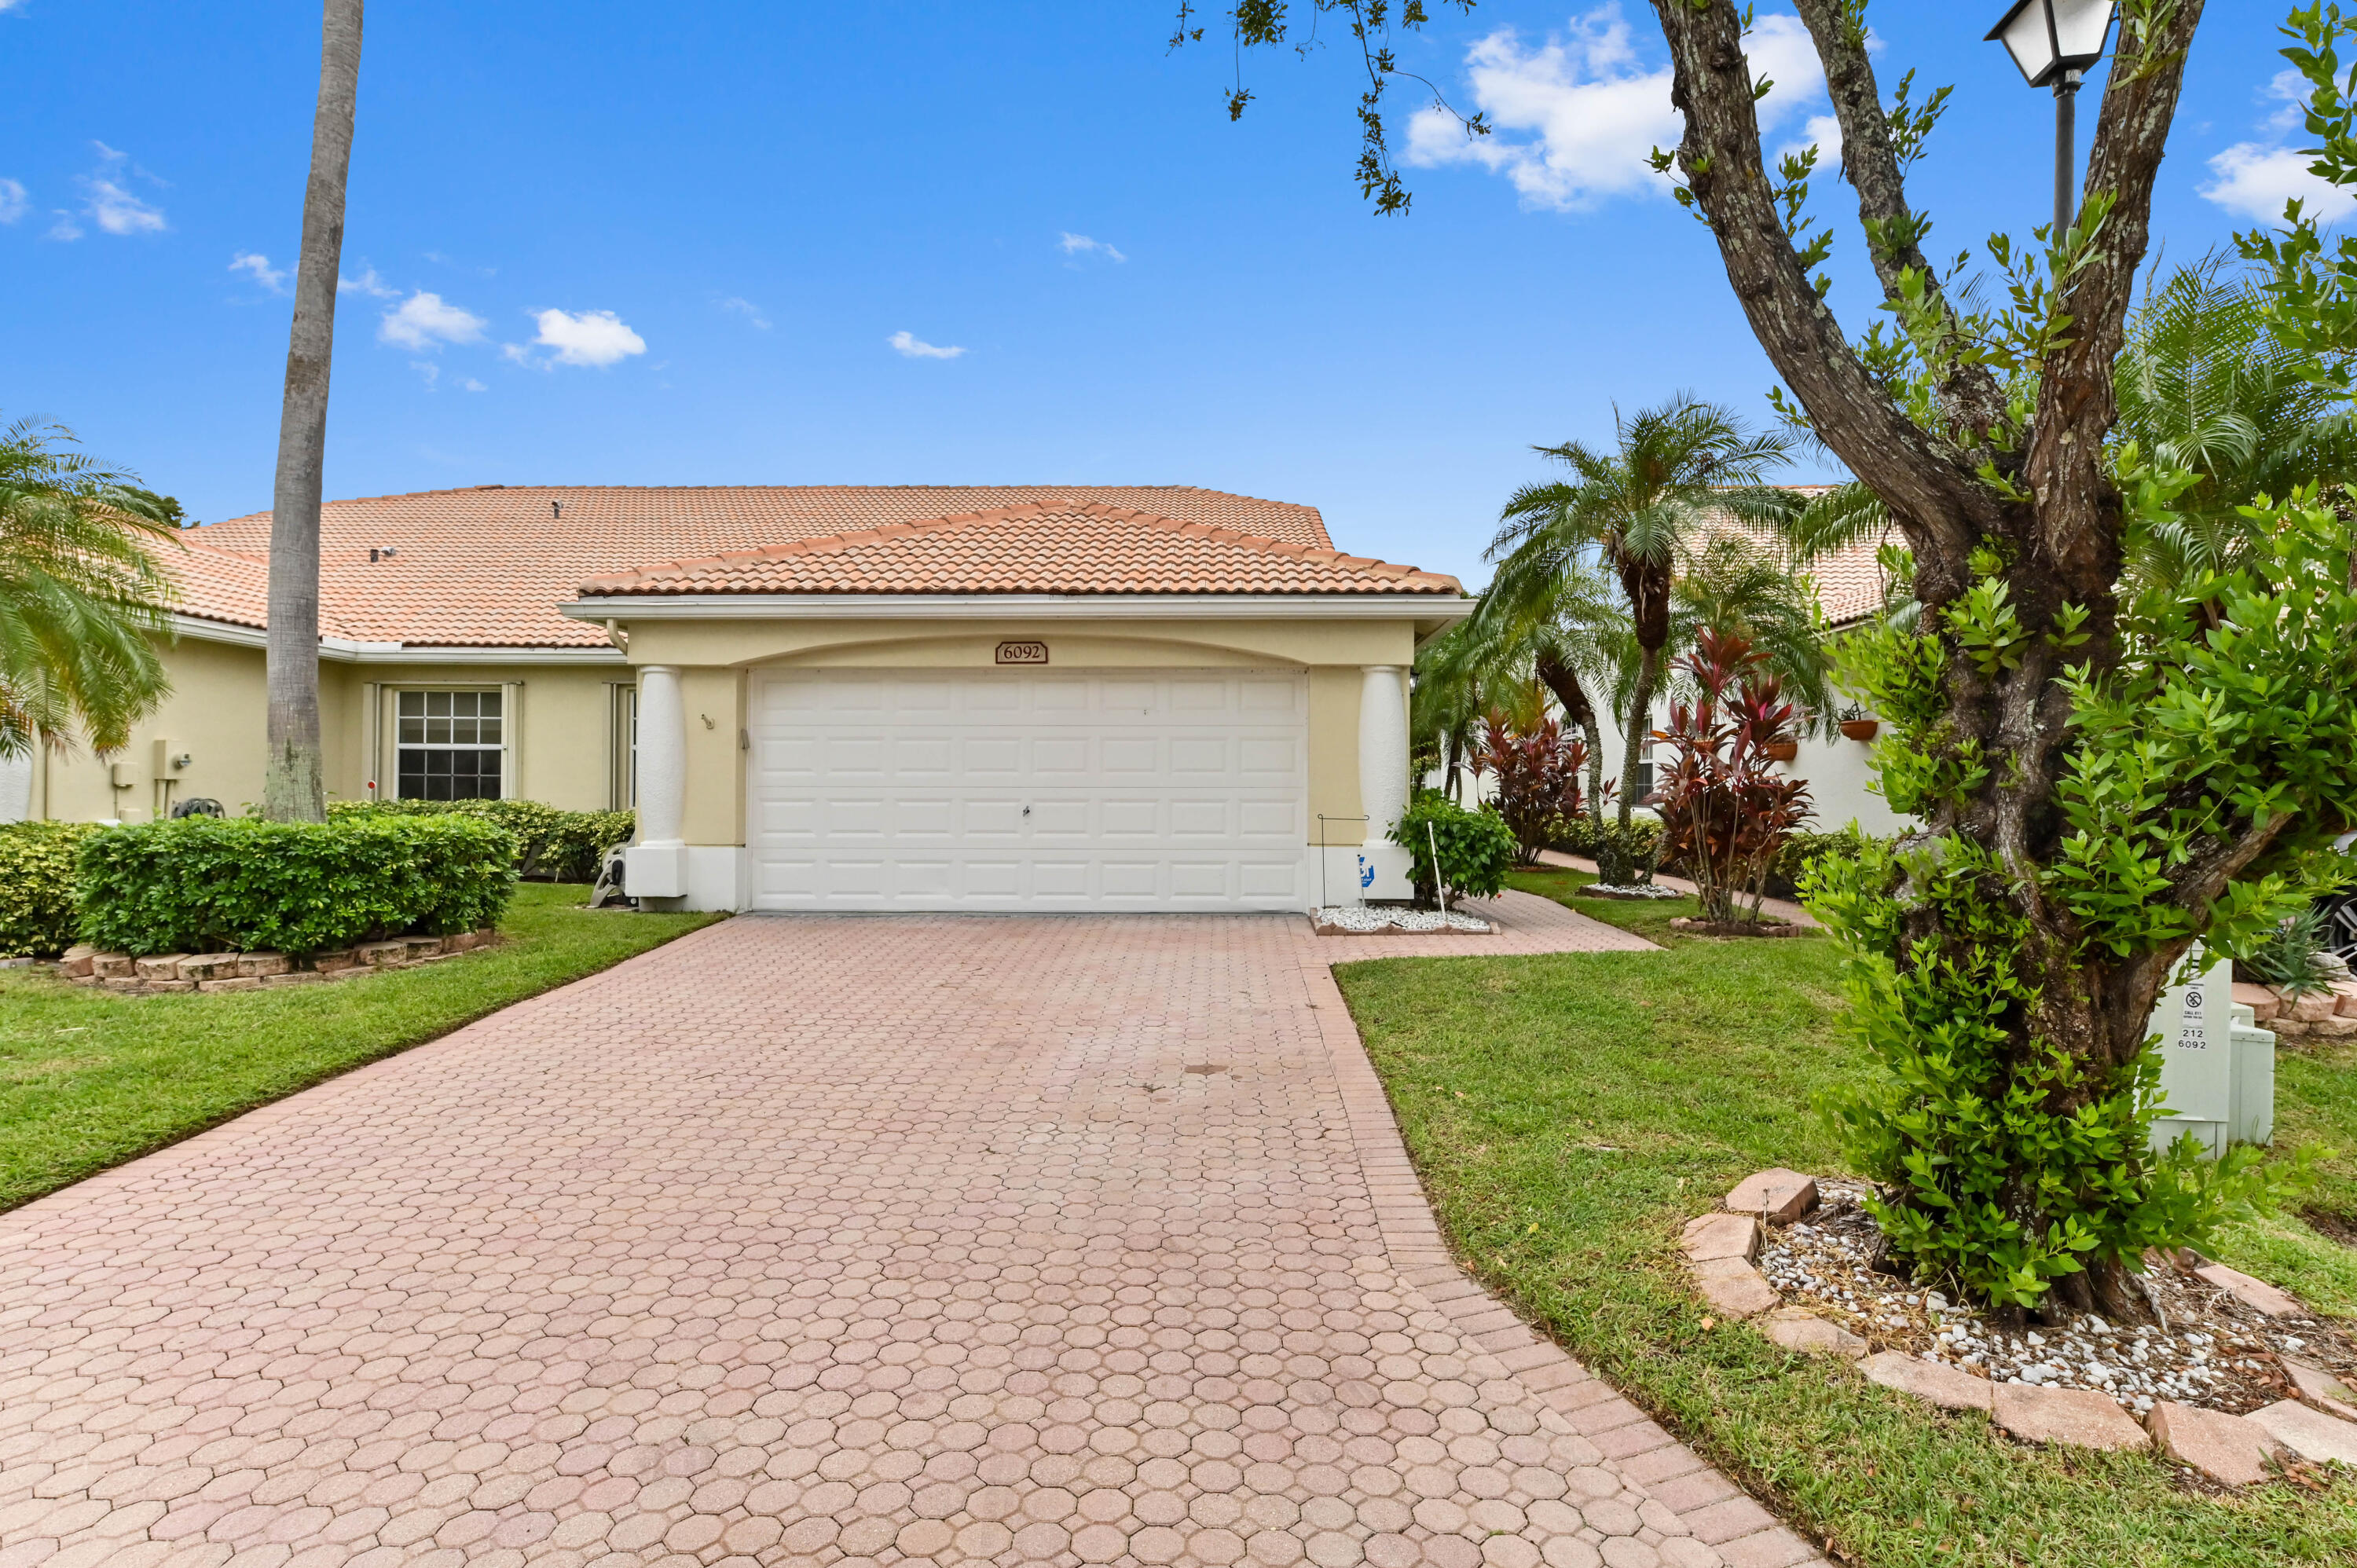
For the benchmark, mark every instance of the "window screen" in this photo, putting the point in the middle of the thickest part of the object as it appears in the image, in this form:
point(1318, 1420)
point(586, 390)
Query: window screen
point(448, 747)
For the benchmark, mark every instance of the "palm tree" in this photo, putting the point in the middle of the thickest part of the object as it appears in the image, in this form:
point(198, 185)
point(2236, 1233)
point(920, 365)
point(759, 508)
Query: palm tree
point(294, 784)
point(81, 594)
point(1636, 512)
point(1562, 639)
point(1736, 588)
point(2204, 385)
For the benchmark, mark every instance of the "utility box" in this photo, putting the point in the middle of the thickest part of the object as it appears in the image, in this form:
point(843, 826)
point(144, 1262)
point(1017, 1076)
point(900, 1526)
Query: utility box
point(2217, 1067)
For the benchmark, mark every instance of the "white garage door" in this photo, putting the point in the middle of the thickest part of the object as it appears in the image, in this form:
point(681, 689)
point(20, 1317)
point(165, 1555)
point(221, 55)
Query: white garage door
point(1028, 789)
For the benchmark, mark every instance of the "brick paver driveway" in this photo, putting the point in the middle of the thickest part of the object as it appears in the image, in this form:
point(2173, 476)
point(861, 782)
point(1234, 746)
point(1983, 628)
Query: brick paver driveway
point(1079, 1240)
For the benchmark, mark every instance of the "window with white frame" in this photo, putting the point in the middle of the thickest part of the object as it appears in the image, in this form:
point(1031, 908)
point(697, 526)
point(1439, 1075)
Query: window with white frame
point(448, 745)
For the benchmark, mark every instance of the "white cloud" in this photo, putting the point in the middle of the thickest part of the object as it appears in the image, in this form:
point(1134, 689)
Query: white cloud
point(368, 283)
point(426, 321)
point(13, 204)
point(108, 202)
point(909, 345)
point(472, 385)
point(594, 338)
point(270, 277)
point(1082, 245)
point(748, 309)
point(427, 372)
point(7, 6)
point(2254, 179)
point(118, 212)
point(1576, 117)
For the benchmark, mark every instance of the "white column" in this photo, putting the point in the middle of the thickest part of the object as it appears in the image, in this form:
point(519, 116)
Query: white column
point(656, 863)
point(1382, 777)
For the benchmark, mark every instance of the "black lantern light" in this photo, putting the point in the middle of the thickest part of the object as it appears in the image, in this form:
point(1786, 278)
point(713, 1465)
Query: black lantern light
point(2054, 42)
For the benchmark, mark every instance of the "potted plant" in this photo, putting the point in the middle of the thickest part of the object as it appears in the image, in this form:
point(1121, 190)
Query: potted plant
point(1856, 725)
point(1780, 750)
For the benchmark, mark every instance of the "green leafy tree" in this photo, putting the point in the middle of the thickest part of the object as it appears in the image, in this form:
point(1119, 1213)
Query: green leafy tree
point(2105, 775)
point(1638, 511)
point(81, 594)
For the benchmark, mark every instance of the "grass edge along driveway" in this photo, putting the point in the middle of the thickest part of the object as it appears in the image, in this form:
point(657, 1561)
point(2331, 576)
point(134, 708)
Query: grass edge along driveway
point(1569, 1112)
point(89, 1078)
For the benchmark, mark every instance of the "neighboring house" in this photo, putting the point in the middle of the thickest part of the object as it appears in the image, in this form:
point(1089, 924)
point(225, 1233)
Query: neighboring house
point(843, 697)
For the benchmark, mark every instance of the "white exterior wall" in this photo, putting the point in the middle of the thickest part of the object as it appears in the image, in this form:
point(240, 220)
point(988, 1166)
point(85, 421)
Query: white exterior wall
point(1840, 772)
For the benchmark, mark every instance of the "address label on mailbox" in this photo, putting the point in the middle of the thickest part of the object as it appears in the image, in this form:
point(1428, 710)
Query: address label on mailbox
point(1023, 653)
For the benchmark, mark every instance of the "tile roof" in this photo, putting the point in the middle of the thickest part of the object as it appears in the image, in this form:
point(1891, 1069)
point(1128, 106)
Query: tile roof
point(488, 566)
point(1046, 549)
point(1849, 580)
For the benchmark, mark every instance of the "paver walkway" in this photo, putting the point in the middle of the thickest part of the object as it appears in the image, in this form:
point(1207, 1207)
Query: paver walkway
point(827, 1240)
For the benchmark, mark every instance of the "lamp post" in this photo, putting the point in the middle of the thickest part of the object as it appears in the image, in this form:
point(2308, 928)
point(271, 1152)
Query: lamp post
point(2053, 42)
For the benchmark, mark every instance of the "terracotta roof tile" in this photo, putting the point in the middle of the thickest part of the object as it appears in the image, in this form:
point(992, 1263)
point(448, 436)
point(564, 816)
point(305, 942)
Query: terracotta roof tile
point(489, 567)
point(1049, 549)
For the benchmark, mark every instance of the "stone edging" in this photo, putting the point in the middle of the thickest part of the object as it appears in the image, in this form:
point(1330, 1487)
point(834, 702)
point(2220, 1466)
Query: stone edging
point(127, 975)
point(2317, 1424)
point(1687, 1498)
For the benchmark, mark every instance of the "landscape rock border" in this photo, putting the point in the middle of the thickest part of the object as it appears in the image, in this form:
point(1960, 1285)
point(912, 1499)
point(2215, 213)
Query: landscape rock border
point(1721, 1251)
point(1688, 925)
point(168, 973)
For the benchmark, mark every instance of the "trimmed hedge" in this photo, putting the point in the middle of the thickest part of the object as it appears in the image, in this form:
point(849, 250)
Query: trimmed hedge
point(240, 883)
point(552, 844)
point(37, 888)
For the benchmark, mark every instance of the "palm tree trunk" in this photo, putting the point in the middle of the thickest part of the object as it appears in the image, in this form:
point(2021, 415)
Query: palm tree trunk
point(1595, 734)
point(1640, 725)
point(294, 786)
point(1456, 760)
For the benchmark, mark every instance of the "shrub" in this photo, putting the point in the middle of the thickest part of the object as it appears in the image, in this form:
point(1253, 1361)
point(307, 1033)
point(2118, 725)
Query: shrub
point(1538, 778)
point(1726, 813)
point(552, 844)
point(1641, 842)
point(1477, 848)
point(210, 884)
point(1803, 850)
point(2295, 958)
point(37, 888)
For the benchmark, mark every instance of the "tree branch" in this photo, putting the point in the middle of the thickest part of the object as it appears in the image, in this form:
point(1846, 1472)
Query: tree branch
point(2076, 405)
point(1870, 163)
point(1927, 482)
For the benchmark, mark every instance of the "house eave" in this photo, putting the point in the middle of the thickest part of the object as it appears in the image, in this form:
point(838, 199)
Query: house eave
point(1432, 612)
point(344, 650)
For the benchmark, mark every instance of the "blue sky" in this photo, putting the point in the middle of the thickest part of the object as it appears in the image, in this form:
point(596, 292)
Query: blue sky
point(596, 244)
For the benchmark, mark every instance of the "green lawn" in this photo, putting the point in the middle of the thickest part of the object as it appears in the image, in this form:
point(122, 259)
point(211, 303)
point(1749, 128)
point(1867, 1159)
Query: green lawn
point(89, 1079)
point(1569, 1113)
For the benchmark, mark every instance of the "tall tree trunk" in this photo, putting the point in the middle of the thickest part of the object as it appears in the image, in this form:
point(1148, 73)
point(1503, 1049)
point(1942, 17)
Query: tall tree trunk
point(1455, 761)
point(1580, 712)
point(1640, 725)
point(294, 787)
point(1595, 734)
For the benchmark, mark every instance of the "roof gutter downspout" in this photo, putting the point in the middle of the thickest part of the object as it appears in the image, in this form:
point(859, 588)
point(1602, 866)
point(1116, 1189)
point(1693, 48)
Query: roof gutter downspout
point(617, 636)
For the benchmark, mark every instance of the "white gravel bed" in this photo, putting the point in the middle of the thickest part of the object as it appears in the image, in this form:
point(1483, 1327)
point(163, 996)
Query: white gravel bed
point(1634, 890)
point(2212, 1351)
point(1359, 917)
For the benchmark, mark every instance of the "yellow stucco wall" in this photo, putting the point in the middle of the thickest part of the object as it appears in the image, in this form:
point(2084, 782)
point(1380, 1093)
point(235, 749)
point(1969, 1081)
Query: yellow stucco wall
point(559, 745)
point(561, 733)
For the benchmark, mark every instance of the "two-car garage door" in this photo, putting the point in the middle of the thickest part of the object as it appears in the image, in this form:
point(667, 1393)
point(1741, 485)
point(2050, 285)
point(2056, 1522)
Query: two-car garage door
point(1028, 789)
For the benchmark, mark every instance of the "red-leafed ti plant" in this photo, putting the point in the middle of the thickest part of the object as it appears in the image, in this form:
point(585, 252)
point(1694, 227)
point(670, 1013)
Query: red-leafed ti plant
point(1724, 809)
point(1538, 770)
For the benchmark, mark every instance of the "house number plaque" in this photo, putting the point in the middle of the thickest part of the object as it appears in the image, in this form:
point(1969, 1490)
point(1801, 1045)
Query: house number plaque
point(1023, 653)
